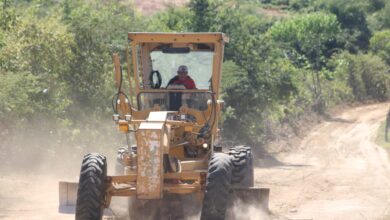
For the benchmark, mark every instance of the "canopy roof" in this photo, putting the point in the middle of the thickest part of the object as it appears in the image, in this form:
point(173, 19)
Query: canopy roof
point(145, 37)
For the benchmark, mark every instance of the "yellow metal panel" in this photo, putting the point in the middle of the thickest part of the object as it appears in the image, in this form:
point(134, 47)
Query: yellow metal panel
point(123, 126)
point(194, 165)
point(177, 37)
point(177, 152)
point(135, 68)
point(140, 115)
point(150, 161)
point(132, 92)
point(123, 192)
point(124, 178)
point(217, 68)
point(190, 175)
point(182, 188)
point(117, 66)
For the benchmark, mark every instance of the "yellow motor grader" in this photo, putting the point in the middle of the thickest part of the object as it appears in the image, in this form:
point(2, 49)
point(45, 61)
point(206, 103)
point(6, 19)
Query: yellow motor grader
point(171, 130)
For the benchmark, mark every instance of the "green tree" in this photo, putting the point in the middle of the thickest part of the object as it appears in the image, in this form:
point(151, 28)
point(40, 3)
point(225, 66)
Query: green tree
point(383, 16)
point(97, 34)
point(240, 101)
point(36, 52)
point(380, 44)
point(367, 76)
point(173, 19)
point(309, 36)
point(352, 16)
point(201, 19)
point(306, 39)
point(7, 15)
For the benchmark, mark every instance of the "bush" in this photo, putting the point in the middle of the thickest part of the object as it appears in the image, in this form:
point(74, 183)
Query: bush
point(368, 76)
point(380, 44)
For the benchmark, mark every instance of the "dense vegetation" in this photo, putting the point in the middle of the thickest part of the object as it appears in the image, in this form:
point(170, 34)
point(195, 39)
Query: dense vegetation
point(285, 58)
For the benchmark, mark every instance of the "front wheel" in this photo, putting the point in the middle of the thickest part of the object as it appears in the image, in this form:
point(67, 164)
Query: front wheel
point(91, 191)
point(218, 186)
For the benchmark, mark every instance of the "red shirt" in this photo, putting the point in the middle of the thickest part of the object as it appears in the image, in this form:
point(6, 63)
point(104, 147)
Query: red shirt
point(187, 82)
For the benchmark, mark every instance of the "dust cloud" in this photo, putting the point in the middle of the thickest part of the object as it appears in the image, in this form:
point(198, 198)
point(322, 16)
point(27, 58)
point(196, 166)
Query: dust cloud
point(242, 210)
point(35, 157)
point(47, 149)
point(34, 160)
point(238, 210)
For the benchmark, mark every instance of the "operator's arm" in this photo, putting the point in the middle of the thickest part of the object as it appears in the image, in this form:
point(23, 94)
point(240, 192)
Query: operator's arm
point(190, 84)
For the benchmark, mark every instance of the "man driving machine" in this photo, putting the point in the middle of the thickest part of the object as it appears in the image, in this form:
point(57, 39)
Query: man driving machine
point(182, 78)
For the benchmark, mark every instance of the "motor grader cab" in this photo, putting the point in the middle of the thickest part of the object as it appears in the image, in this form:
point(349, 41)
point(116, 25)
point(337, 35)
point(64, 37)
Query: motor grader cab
point(171, 134)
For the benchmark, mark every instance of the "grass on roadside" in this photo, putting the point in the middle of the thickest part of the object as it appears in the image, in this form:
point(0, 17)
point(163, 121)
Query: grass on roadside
point(380, 138)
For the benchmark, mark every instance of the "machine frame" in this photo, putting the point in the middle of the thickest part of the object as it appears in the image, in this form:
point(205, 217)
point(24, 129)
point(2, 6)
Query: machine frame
point(175, 150)
point(192, 176)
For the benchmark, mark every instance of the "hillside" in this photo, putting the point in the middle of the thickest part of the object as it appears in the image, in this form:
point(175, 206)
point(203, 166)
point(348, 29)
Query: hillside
point(150, 7)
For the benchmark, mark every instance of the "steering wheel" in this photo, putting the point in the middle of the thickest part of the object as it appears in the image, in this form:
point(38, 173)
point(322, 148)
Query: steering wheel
point(153, 84)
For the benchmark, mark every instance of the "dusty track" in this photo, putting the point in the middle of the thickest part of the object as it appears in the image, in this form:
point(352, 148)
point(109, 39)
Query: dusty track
point(29, 197)
point(337, 172)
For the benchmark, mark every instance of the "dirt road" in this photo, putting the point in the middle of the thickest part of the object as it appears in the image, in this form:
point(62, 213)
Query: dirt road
point(337, 172)
point(29, 197)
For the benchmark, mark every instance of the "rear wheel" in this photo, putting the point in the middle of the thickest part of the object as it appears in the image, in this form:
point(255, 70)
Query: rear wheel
point(91, 191)
point(242, 160)
point(218, 187)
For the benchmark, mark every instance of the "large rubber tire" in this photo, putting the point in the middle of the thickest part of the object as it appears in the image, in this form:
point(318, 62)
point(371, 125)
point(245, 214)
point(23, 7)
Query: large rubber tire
point(218, 186)
point(242, 159)
point(91, 191)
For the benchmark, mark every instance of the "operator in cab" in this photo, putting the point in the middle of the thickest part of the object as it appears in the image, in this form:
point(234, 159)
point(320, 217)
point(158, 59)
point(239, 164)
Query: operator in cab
point(182, 78)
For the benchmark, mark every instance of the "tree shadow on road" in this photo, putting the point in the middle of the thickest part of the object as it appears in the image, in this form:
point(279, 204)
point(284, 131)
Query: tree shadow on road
point(330, 118)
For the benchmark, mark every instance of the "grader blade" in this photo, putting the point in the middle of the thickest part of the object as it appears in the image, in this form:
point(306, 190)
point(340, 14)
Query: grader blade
point(67, 196)
point(253, 196)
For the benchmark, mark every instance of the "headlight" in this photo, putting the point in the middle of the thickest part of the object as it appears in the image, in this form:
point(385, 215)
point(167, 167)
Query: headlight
point(115, 117)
